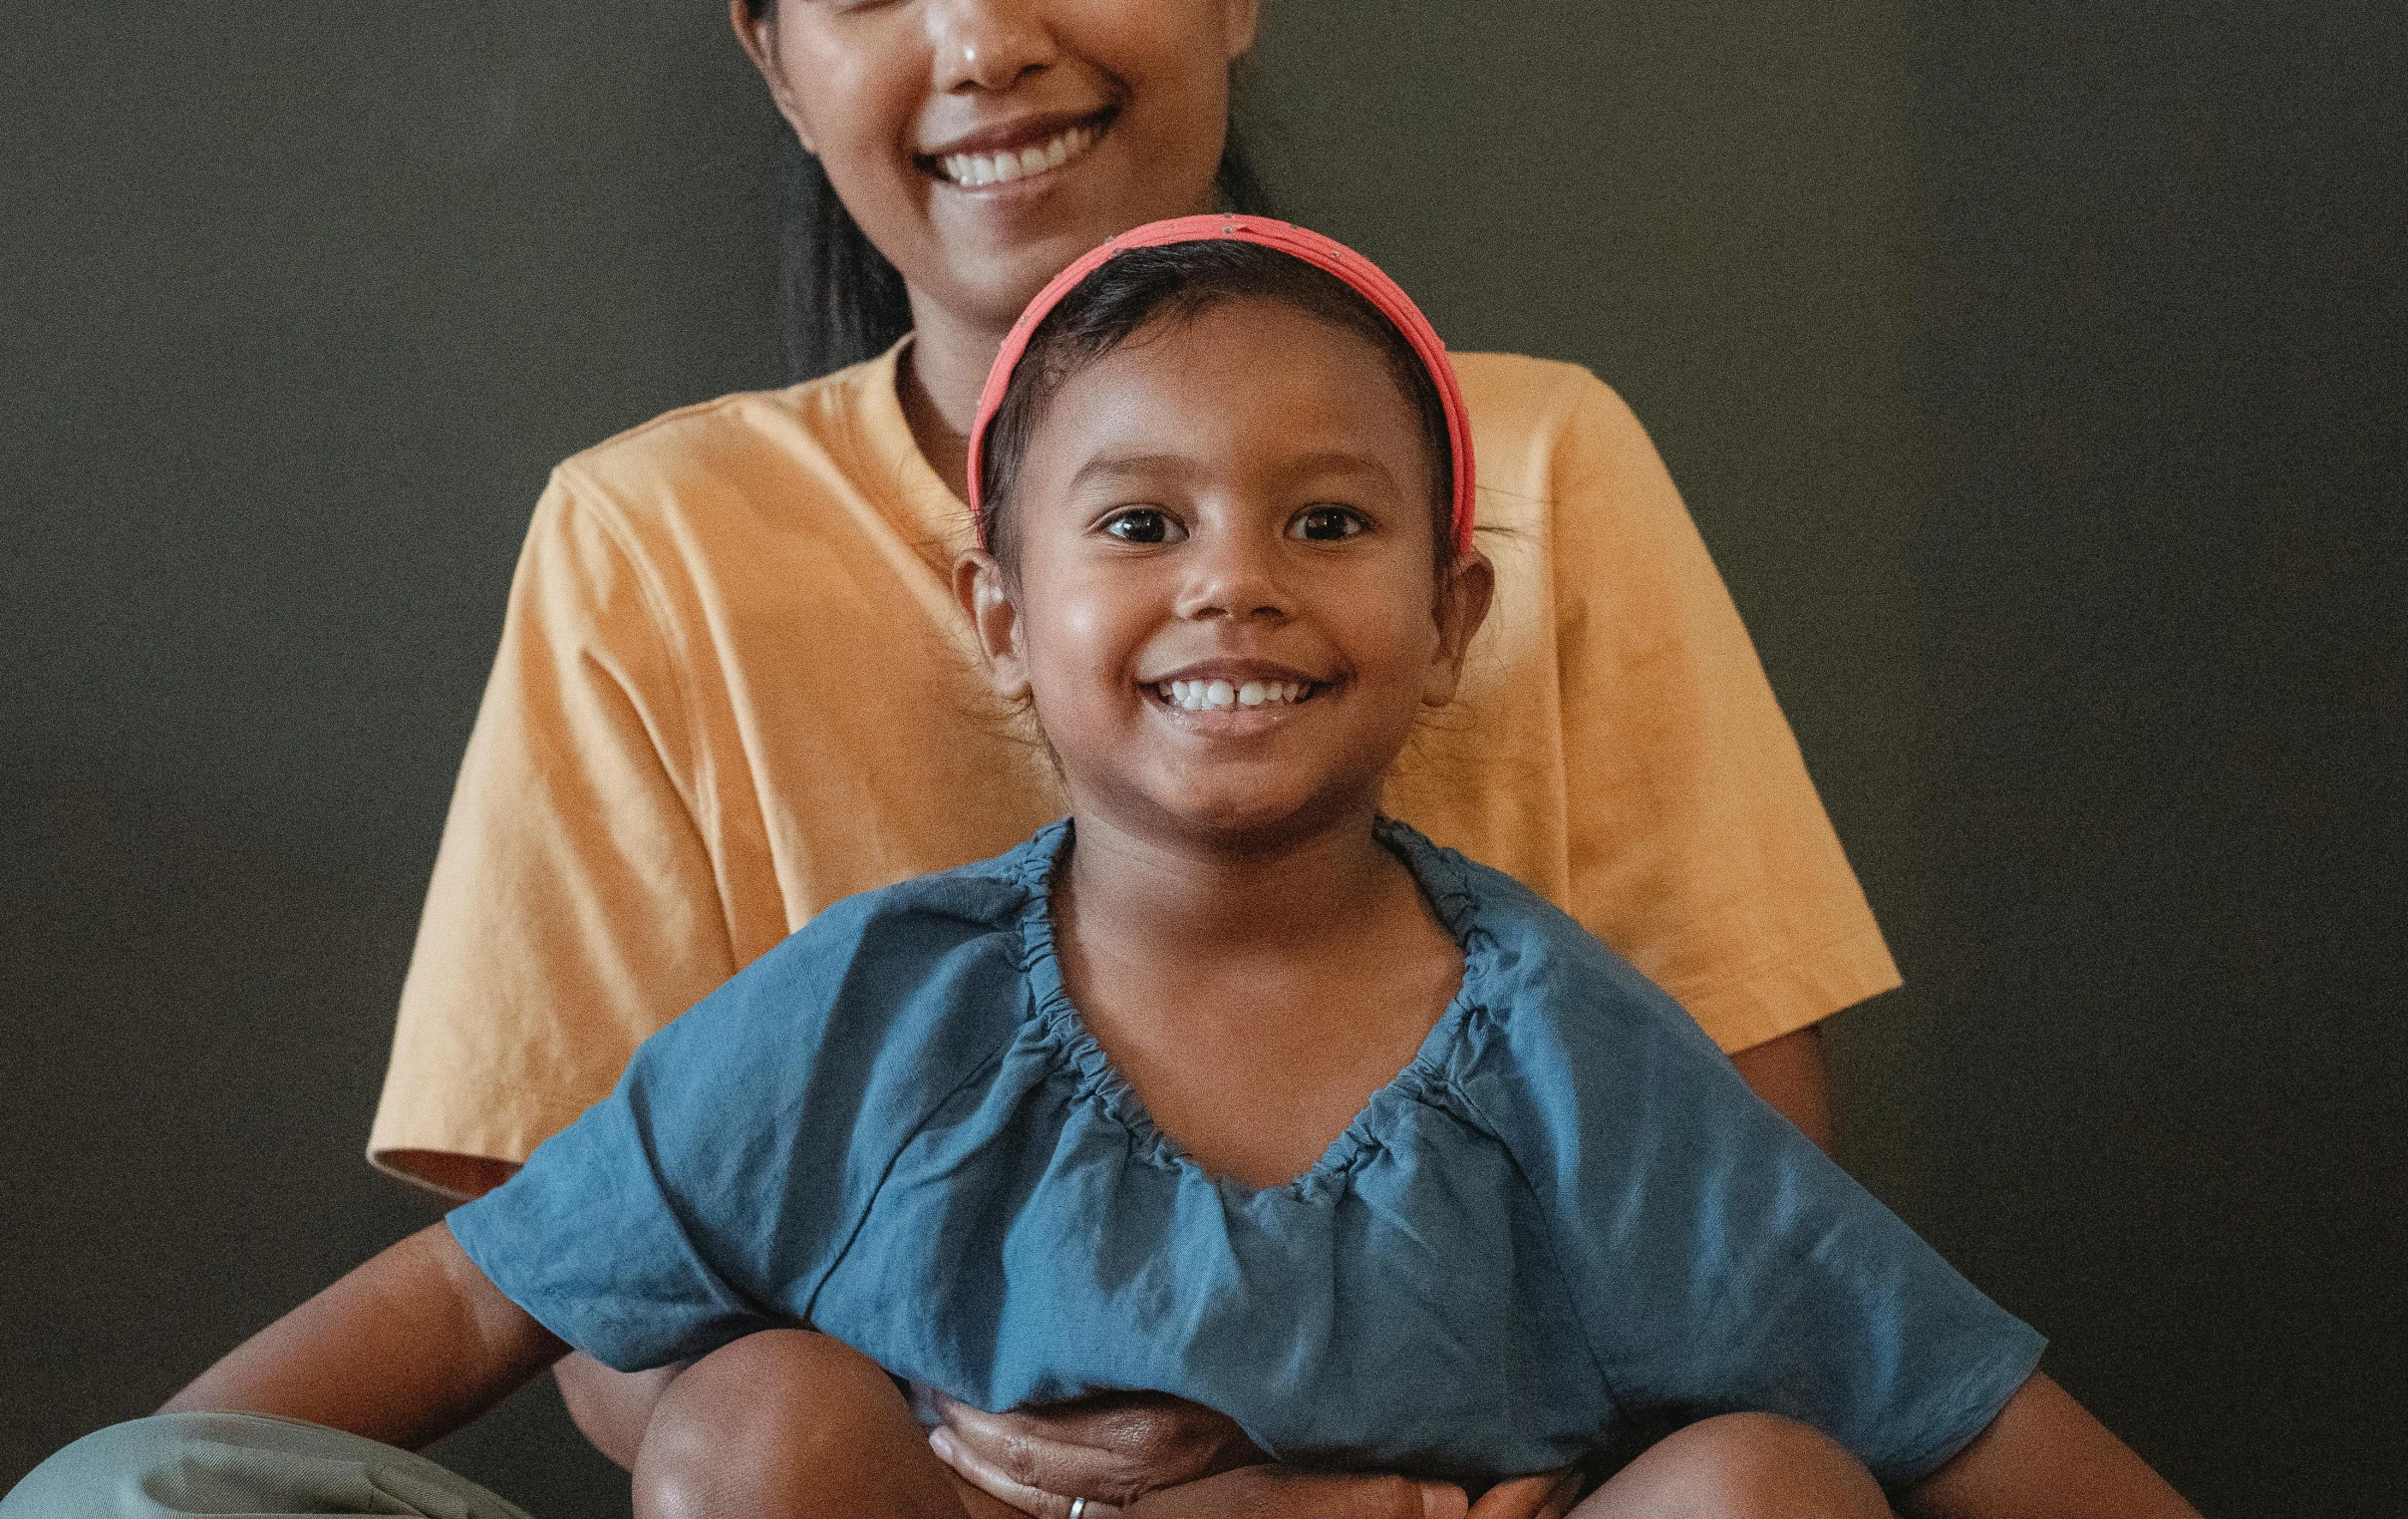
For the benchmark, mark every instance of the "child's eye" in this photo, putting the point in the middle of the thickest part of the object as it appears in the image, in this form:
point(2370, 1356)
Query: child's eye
point(1327, 525)
point(1143, 524)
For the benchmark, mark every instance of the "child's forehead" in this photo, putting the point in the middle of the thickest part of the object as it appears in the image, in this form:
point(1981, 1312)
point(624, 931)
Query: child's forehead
point(1257, 341)
point(1265, 362)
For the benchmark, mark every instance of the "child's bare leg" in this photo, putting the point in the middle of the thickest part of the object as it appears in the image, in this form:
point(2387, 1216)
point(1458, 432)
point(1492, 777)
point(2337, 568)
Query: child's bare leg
point(1739, 1466)
point(787, 1424)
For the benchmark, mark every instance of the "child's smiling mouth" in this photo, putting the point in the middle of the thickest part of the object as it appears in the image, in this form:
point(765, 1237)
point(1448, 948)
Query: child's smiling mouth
point(1218, 695)
point(1252, 690)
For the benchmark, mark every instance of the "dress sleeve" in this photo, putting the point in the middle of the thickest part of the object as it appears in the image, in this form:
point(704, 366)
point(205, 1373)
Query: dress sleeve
point(1697, 846)
point(1718, 1260)
point(707, 1195)
point(574, 906)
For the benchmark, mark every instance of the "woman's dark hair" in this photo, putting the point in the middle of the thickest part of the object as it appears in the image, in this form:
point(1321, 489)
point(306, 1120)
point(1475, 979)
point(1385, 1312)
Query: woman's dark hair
point(1179, 282)
point(836, 300)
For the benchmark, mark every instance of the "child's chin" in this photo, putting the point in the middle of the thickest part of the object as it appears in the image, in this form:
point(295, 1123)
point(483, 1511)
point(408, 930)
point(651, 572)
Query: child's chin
point(1241, 812)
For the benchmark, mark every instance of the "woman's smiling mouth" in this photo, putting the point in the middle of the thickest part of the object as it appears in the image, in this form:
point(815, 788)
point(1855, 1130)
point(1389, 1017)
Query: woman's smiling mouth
point(978, 167)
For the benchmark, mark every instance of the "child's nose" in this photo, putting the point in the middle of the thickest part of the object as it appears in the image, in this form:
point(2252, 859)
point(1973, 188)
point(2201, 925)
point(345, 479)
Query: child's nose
point(1234, 575)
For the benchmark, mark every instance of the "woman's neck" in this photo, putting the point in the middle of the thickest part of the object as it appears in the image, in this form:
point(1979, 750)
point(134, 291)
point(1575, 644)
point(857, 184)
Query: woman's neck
point(939, 385)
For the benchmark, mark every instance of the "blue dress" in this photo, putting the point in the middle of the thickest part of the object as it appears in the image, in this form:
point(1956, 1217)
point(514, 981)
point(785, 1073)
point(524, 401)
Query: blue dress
point(1567, 1217)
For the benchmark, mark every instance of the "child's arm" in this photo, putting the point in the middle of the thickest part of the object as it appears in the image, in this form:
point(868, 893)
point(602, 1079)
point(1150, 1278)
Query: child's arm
point(2045, 1458)
point(406, 1349)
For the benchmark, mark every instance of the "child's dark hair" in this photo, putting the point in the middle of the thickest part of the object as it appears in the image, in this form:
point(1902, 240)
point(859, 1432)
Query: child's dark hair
point(837, 301)
point(1178, 282)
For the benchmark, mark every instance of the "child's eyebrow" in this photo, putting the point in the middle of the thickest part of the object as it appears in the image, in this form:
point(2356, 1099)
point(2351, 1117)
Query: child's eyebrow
point(1114, 465)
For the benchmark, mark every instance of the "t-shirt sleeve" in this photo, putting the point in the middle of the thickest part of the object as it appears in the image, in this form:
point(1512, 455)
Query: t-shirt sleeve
point(574, 906)
point(708, 1195)
point(1696, 844)
point(1718, 1260)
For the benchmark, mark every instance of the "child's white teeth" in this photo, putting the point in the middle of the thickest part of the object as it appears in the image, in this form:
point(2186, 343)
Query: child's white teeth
point(975, 168)
point(1215, 695)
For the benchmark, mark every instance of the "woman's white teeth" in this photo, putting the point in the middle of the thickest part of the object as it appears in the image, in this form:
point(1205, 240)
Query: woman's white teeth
point(1213, 695)
point(975, 168)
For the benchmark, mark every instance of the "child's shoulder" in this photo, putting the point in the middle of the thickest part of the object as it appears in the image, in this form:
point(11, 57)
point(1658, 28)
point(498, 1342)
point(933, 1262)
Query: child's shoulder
point(914, 926)
point(1567, 1048)
point(935, 961)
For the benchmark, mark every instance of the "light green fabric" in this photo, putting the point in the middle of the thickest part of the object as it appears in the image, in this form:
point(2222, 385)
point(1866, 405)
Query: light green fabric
point(241, 1467)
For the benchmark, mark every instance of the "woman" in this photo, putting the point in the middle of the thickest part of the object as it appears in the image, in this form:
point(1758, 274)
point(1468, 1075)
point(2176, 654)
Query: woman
point(684, 753)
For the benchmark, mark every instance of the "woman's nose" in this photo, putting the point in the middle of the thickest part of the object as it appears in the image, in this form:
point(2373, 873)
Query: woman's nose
point(1233, 575)
point(987, 44)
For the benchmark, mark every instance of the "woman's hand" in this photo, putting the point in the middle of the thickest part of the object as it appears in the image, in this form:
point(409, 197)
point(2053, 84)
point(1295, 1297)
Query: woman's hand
point(1162, 1457)
point(1112, 1448)
point(1285, 1492)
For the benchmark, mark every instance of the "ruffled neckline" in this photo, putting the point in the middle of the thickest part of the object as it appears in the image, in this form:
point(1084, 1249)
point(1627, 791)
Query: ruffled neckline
point(1064, 1034)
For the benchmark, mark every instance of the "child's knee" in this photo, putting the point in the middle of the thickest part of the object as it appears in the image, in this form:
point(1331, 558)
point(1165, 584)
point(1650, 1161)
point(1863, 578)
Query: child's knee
point(1742, 1466)
point(782, 1411)
point(806, 1387)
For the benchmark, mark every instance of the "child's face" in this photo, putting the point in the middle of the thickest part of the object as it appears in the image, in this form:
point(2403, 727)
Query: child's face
point(1239, 502)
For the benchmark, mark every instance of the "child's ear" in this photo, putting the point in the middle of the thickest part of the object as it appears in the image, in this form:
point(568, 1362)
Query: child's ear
point(1471, 581)
point(978, 585)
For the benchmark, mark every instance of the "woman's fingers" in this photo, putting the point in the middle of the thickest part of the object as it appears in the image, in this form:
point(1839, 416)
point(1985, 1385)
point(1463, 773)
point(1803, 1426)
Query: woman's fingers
point(1173, 1460)
point(1549, 1495)
point(1026, 1451)
point(974, 1468)
point(1110, 1446)
point(1441, 1500)
point(1567, 1491)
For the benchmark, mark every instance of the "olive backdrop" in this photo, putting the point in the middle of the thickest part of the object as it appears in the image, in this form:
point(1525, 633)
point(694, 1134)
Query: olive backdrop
point(2034, 371)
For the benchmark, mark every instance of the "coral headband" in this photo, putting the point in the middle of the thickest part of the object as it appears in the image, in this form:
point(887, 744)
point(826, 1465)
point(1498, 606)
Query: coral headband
point(1321, 253)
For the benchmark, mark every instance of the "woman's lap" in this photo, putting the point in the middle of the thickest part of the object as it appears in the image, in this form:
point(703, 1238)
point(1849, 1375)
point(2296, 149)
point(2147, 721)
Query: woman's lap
point(177, 1464)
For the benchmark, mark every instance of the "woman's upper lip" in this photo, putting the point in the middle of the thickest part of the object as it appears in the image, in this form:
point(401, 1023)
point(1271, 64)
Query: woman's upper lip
point(1235, 671)
point(1019, 132)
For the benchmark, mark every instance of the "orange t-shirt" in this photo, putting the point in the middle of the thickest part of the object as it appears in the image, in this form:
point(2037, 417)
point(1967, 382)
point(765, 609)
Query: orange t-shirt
point(733, 686)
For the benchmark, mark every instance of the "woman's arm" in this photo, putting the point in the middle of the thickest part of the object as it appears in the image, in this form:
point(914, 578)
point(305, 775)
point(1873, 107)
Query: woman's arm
point(1790, 1073)
point(2045, 1458)
point(404, 1349)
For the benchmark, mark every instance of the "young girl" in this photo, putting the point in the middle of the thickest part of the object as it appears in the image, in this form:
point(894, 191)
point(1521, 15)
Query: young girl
point(1223, 1085)
point(672, 766)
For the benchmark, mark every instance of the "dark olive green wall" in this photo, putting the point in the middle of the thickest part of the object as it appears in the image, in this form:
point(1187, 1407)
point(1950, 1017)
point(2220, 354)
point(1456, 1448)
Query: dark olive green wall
point(2035, 374)
point(2161, 607)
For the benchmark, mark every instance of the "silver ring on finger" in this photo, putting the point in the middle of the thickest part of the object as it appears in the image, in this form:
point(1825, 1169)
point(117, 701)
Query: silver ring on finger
point(1078, 1506)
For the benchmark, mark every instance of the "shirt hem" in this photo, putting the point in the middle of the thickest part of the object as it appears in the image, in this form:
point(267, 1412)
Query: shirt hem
point(1774, 1001)
point(510, 1128)
point(1982, 1397)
